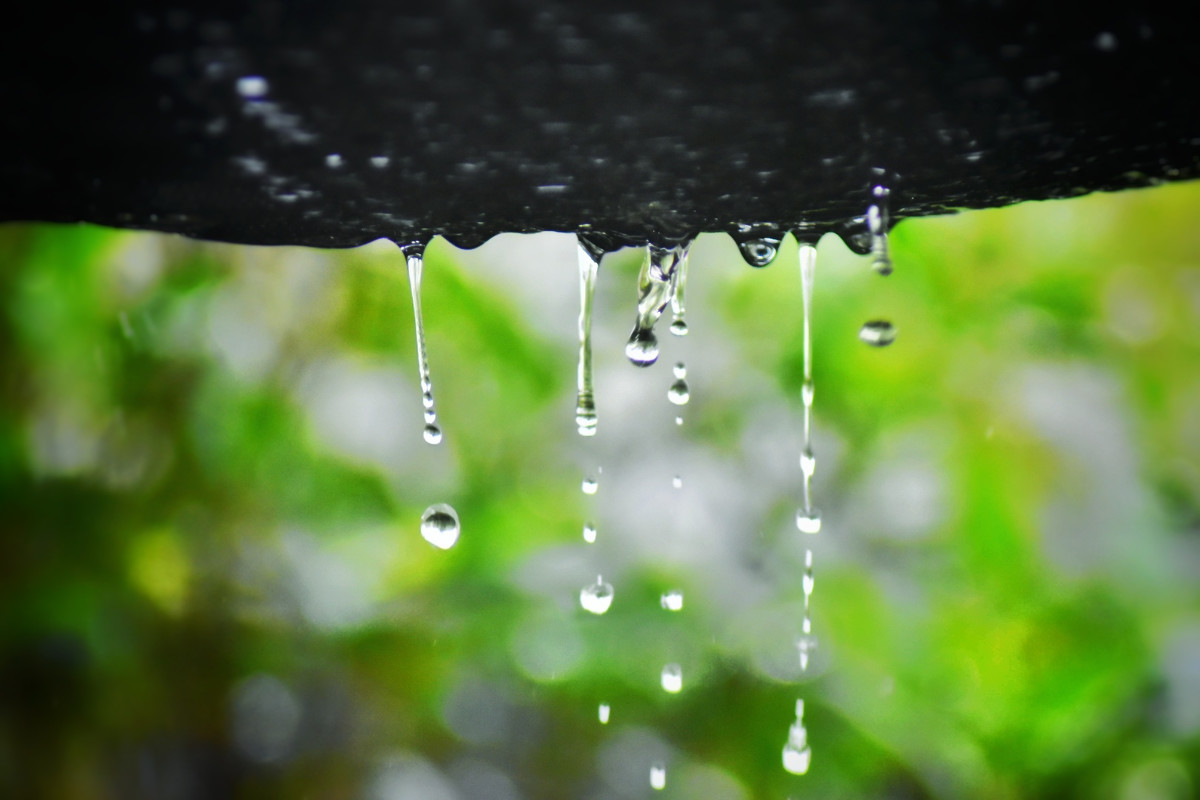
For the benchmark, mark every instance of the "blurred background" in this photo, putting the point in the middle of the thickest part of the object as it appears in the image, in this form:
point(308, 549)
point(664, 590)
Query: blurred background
point(213, 584)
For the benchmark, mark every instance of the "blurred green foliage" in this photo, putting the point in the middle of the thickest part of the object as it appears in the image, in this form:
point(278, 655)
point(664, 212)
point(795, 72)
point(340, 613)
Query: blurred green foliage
point(211, 477)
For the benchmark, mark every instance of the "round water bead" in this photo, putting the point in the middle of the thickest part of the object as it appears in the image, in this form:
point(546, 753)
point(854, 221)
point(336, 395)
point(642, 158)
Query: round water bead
point(597, 597)
point(672, 600)
point(679, 370)
point(759, 253)
point(679, 393)
point(589, 532)
point(796, 760)
point(433, 434)
point(672, 678)
point(808, 520)
point(439, 526)
point(642, 347)
point(877, 333)
point(679, 327)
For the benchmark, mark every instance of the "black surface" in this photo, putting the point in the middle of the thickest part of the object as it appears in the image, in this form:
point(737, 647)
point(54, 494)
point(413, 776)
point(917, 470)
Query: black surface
point(651, 119)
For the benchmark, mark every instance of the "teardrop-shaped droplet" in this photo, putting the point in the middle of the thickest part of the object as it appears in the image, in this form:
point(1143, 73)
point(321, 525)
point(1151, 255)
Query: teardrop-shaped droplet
point(604, 712)
point(796, 760)
point(679, 327)
point(589, 485)
point(679, 393)
point(439, 526)
point(679, 420)
point(589, 532)
point(678, 290)
point(672, 678)
point(658, 776)
point(679, 370)
point(877, 227)
point(877, 333)
point(808, 462)
point(799, 709)
point(808, 520)
point(759, 252)
point(432, 433)
point(672, 600)
point(642, 347)
point(596, 597)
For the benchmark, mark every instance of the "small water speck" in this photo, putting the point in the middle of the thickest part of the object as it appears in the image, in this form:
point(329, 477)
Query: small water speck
point(252, 87)
point(333, 160)
point(877, 333)
point(658, 776)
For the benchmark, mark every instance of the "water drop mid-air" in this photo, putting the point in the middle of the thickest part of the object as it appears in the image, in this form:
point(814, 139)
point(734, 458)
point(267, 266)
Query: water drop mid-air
point(658, 776)
point(808, 519)
point(877, 227)
point(590, 485)
point(759, 252)
point(677, 482)
point(877, 333)
point(589, 532)
point(585, 404)
point(672, 678)
point(414, 254)
point(657, 284)
point(797, 756)
point(604, 713)
point(596, 597)
point(679, 392)
point(672, 600)
point(439, 526)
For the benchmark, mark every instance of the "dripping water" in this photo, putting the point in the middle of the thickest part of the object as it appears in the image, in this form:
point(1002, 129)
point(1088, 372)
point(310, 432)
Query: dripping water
point(797, 755)
point(877, 333)
point(603, 713)
point(808, 518)
point(439, 526)
point(805, 643)
point(590, 485)
point(589, 532)
point(877, 227)
point(656, 283)
point(678, 290)
point(585, 405)
point(414, 254)
point(596, 597)
point(671, 678)
point(678, 393)
point(759, 252)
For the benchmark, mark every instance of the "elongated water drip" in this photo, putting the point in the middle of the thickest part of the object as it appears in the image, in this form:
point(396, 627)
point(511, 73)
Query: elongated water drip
point(603, 713)
point(414, 254)
point(678, 291)
point(808, 518)
point(679, 393)
point(797, 755)
point(658, 776)
point(656, 283)
point(585, 402)
point(877, 227)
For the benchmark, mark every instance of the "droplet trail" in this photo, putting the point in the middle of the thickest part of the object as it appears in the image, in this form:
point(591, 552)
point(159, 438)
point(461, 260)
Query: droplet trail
point(414, 254)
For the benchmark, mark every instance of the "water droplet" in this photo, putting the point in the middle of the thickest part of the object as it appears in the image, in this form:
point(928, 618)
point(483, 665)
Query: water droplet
point(678, 289)
point(677, 481)
point(678, 393)
point(672, 678)
point(658, 775)
point(759, 252)
point(796, 761)
point(589, 532)
point(642, 347)
point(252, 87)
point(679, 420)
point(799, 709)
point(414, 254)
point(679, 327)
point(672, 600)
point(808, 520)
point(432, 433)
point(679, 370)
point(439, 526)
point(808, 462)
point(604, 713)
point(590, 485)
point(585, 402)
point(333, 160)
point(877, 333)
point(596, 597)
point(379, 162)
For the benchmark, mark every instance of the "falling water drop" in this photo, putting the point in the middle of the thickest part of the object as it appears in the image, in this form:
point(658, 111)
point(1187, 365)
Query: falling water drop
point(604, 713)
point(877, 227)
point(672, 600)
point(679, 370)
point(439, 526)
point(590, 485)
point(672, 678)
point(656, 287)
point(677, 481)
point(679, 420)
point(796, 760)
point(589, 532)
point(808, 520)
point(658, 775)
point(877, 333)
point(585, 405)
point(679, 325)
point(596, 597)
point(759, 252)
point(414, 254)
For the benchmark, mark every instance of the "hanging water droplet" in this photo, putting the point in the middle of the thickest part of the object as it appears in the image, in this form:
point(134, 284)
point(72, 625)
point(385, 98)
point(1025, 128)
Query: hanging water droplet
point(679, 327)
point(678, 393)
point(596, 597)
point(590, 485)
point(678, 289)
point(804, 644)
point(414, 254)
point(658, 776)
point(679, 420)
point(677, 481)
point(672, 678)
point(657, 284)
point(799, 709)
point(439, 526)
point(585, 405)
point(795, 760)
point(604, 713)
point(759, 252)
point(877, 227)
point(808, 520)
point(877, 333)
point(642, 347)
point(589, 532)
point(672, 600)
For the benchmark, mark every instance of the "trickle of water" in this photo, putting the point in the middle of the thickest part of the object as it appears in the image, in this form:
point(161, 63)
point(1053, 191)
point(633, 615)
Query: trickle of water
point(590, 485)
point(877, 227)
point(658, 776)
point(585, 404)
point(604, 713)
point(439, 526)
point(414, 254)
point(252, 87)
point(672, 600)
point(808, 519)
point(589, 532)
point(672, 678)
point(679, 325)
point(759, 252)
point(596, 597)
point(877, 333)
point(656, 285)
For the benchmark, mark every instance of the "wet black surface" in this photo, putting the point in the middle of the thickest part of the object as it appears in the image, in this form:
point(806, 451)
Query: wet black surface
point(654, 119)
